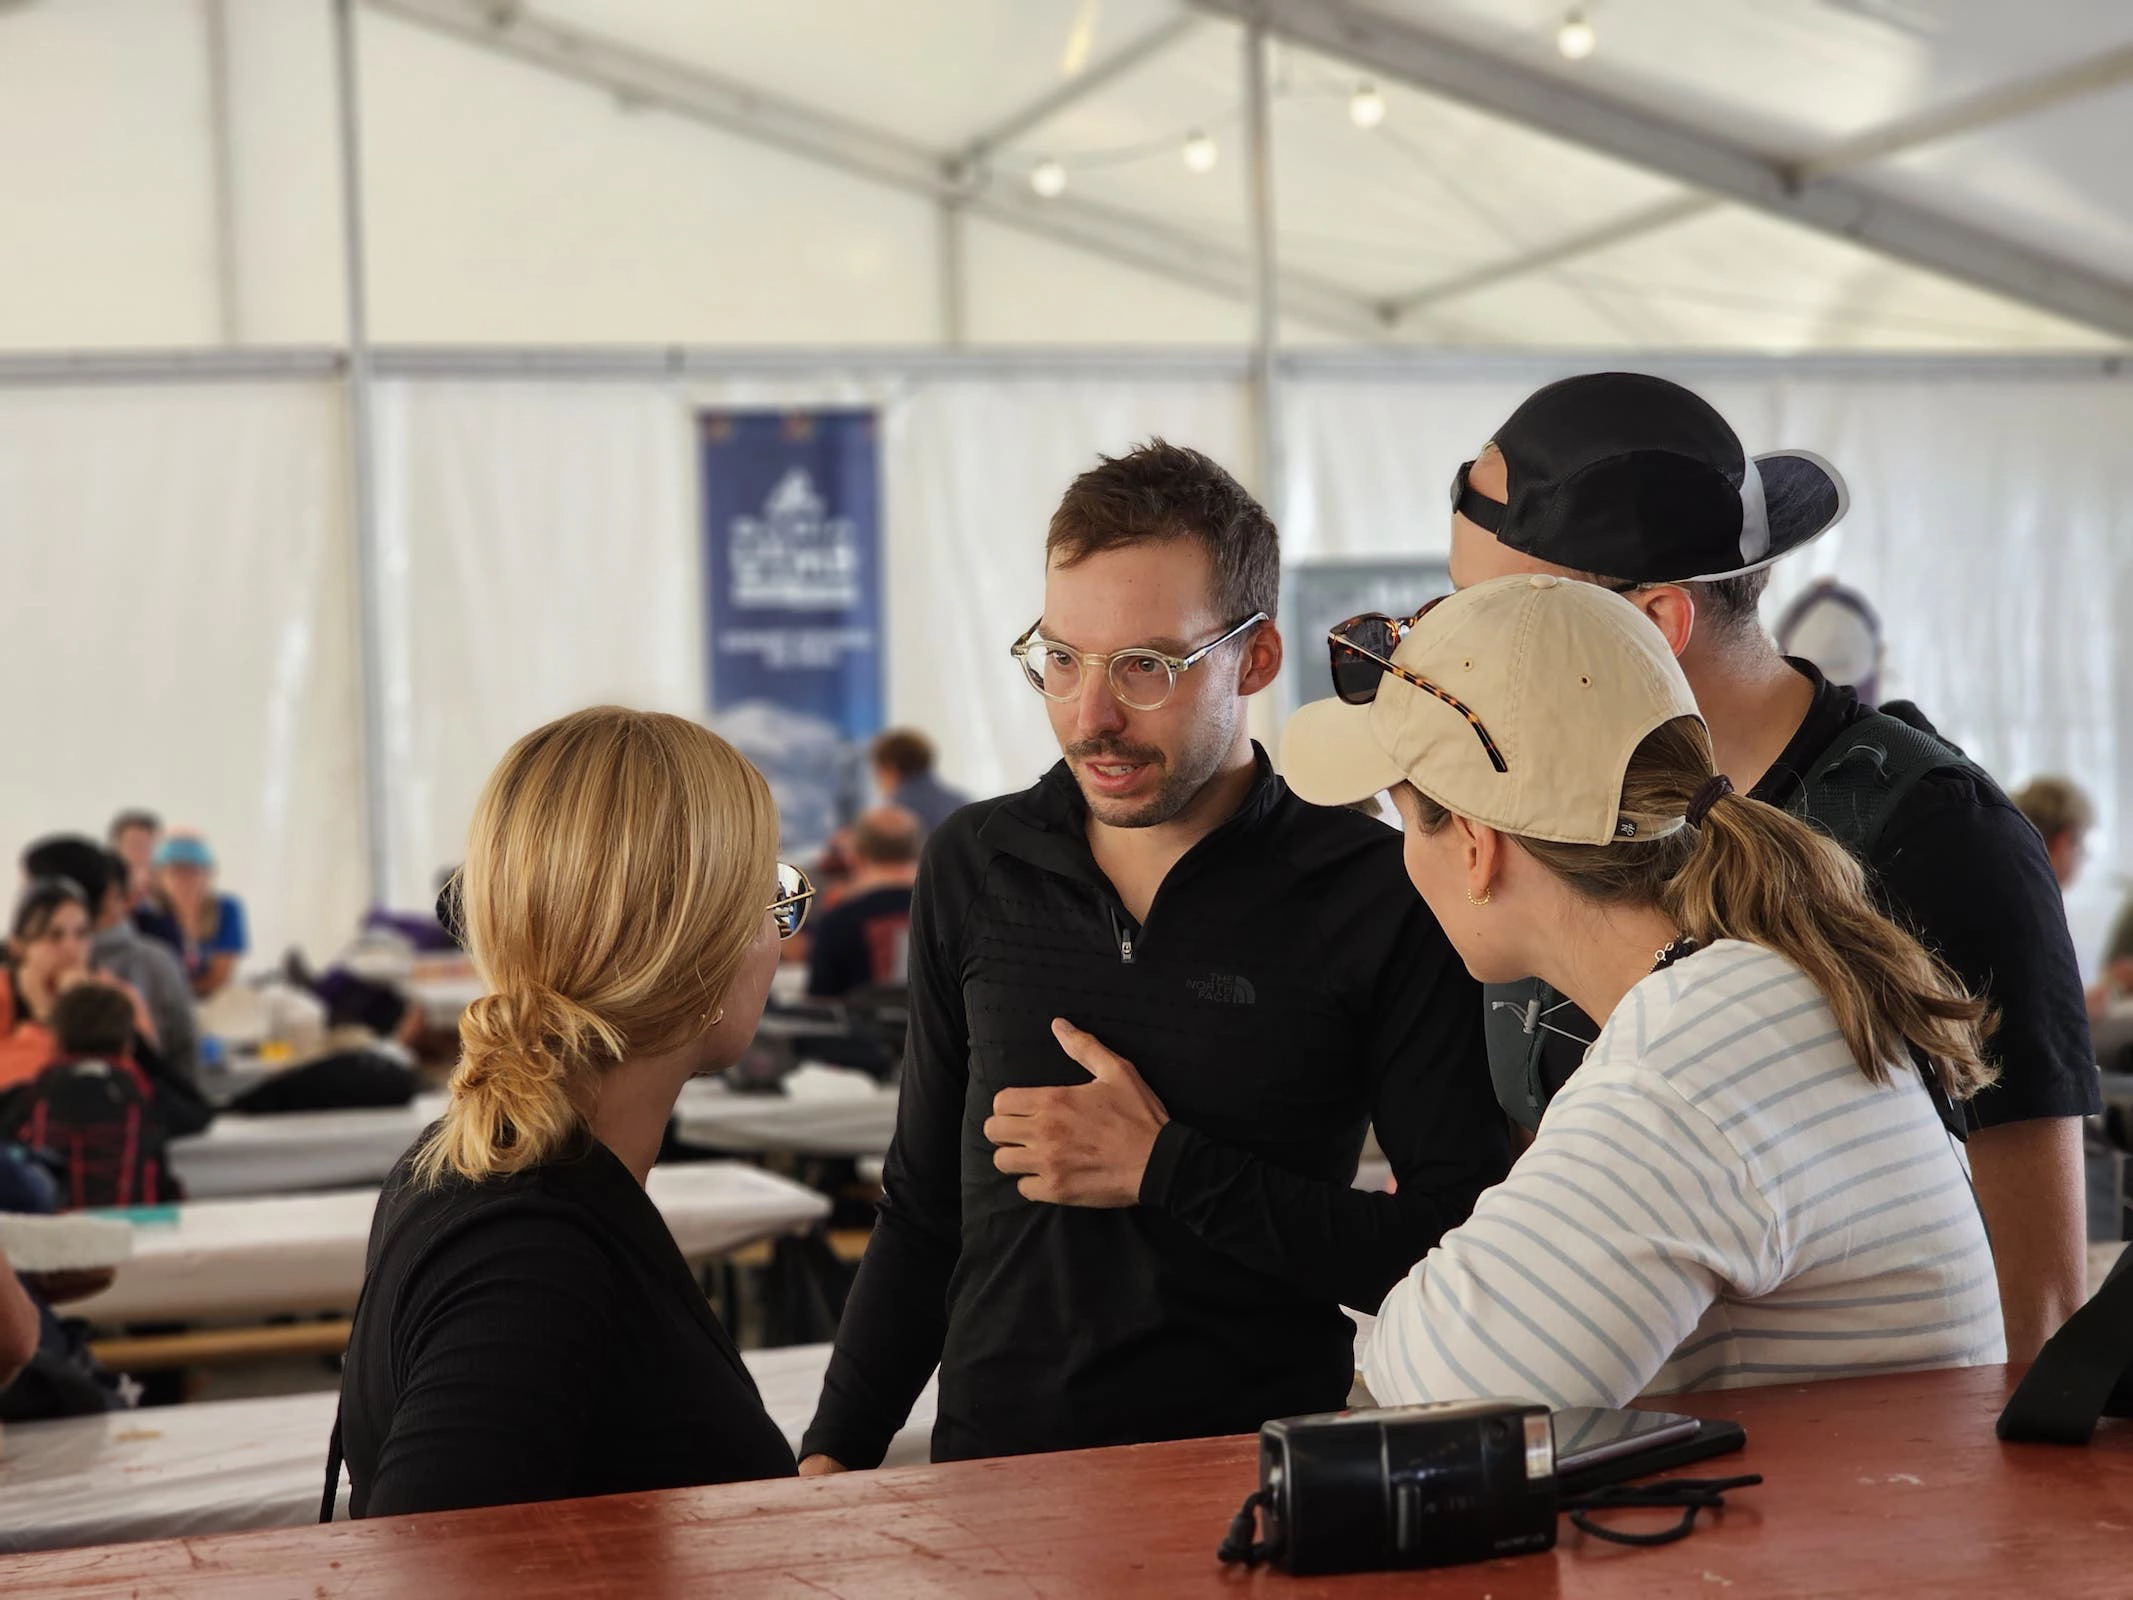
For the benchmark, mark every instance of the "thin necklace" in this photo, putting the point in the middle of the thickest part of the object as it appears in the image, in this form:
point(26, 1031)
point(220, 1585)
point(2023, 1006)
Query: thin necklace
point(1677, 948)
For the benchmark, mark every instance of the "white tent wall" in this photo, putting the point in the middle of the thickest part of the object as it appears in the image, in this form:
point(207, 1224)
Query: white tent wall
point(107, 99)
point(543, 550)
point(176, 631)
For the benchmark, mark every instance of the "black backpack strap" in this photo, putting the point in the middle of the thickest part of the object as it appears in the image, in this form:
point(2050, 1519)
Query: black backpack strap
point(1856, 785)
point(1535, 1040)
point(2083, 1374)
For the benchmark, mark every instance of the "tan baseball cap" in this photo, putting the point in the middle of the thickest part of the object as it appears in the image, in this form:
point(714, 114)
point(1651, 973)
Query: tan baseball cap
point(1564, 678)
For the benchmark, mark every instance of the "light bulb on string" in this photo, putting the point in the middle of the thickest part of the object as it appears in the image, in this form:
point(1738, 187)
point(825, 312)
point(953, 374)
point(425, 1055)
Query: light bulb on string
point(1576, 39)
point(1049, 179)
point(1366, 107)
point(1200, 152)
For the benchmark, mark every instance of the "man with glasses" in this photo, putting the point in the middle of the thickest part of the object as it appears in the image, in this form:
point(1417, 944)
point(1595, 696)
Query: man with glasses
point(1635, 483)
point(1093, 1259)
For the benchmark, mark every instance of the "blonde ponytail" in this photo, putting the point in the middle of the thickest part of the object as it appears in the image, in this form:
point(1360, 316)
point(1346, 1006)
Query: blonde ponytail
point(617, 872)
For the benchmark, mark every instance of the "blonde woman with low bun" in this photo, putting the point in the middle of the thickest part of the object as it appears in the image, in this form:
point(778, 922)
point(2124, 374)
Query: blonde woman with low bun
point(528, 1329)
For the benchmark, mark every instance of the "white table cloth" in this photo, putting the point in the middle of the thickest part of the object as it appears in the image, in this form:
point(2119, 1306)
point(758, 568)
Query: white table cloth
point(227, 1260)
point(857, 1122)
point(73, 1241)
point(288, 1152)
point(228, 1466)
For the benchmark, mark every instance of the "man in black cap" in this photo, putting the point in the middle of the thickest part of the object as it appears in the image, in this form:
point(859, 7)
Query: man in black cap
point(1637, 484)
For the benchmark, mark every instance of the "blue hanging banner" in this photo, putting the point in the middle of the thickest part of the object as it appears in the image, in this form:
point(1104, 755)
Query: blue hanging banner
point(792, 523)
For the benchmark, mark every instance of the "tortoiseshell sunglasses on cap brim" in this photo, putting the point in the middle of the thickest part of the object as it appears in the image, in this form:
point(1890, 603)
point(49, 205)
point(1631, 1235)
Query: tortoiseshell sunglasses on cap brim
point(1362, 649)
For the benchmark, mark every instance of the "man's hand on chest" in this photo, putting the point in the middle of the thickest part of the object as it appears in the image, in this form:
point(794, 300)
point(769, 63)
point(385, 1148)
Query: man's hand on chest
point(1083, 1145)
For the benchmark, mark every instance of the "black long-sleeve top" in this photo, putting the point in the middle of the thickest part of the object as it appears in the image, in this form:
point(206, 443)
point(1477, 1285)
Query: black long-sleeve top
point(539, 1337)
point(1287, 989)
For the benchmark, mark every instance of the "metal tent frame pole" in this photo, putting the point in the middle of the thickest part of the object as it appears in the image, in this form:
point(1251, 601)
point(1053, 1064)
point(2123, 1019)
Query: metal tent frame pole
point(362, 463)
point(1266, 303)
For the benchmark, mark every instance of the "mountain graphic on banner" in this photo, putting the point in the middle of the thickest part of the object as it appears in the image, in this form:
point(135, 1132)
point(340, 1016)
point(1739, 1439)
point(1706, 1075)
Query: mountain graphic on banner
point(795, 556)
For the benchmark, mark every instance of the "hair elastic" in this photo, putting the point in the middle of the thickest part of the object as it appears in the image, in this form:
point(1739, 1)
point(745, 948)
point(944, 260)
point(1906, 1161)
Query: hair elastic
point(1714, 789)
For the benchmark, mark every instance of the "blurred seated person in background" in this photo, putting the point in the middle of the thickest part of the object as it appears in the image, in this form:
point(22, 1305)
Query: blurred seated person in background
point(207, 929)
point(48, 957)
point(117, 947)
point(1837, 631)
point(528, 1329)
point(48, 942)
point(861, 940)
point(134, 835)
point(903, 776)
point(1747, 1179)
point(426, 932)
point(2062, 815)
point(2116, 983)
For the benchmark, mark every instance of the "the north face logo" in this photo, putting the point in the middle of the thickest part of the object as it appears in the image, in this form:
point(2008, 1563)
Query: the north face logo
point(1224, 989)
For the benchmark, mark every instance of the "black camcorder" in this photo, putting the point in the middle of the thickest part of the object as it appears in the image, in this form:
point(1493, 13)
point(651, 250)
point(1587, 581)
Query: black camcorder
point(1408, 1486)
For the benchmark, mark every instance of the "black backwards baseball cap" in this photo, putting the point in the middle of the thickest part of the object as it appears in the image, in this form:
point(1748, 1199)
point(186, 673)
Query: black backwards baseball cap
point(1632, 477)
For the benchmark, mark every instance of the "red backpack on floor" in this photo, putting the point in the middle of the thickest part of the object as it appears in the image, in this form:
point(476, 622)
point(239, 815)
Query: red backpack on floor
point(94, 1116)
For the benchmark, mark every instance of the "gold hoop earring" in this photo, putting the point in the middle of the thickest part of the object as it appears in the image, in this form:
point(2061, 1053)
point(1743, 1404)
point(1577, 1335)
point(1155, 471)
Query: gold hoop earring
point(714, 1019)
point(1487, 896)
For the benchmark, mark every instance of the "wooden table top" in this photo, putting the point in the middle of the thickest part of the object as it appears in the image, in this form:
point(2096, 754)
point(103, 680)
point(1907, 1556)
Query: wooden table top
point(1876, 1487)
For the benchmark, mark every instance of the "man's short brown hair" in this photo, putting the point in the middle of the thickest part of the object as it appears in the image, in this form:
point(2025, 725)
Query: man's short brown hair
point(904, 751)
point(1160, 491)
point(2054, 806)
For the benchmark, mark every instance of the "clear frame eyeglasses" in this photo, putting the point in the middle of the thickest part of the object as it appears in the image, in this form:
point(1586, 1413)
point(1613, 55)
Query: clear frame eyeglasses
point(1140, 677)
point(796, 893)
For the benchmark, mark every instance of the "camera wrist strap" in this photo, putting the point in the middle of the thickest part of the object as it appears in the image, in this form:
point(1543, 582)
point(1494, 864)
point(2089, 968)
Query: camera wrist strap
point(1691, 1494)
point(1241, 1544)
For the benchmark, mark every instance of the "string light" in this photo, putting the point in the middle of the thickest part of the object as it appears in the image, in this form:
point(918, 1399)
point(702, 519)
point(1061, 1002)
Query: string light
point(1200, 152)
point(1366, 107)
point(1576, 39)
point(1049, 179)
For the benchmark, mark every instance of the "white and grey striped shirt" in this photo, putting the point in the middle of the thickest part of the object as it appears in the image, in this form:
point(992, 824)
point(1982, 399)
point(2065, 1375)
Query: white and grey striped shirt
point(1717, 1198)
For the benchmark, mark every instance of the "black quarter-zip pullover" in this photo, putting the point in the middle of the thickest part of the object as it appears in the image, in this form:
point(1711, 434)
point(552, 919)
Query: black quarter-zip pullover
point(1287, 989)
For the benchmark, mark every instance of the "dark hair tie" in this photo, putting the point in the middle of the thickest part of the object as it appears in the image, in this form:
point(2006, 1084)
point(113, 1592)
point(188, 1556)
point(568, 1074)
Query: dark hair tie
point(1714, 788)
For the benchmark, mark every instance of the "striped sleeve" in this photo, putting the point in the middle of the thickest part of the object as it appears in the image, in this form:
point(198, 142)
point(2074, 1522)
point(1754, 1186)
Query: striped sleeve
point(1578, 1276)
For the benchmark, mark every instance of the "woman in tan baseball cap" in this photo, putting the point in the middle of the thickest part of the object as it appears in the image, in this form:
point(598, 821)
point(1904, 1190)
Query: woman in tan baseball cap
point(1748, 1180)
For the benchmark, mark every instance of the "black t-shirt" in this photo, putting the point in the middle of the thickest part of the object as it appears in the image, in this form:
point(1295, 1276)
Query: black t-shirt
point(539, 1337)
point(1962, 869)
point(858, 942)
point(1287, 988)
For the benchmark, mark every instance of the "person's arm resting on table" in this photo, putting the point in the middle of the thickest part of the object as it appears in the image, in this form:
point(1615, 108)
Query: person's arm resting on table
point(1582, 1273)
point(507, 1340)
point(896, 1320)
point(19, 1325)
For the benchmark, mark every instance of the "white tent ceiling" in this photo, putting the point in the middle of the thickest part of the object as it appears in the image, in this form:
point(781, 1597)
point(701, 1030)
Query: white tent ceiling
point(776, 170)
